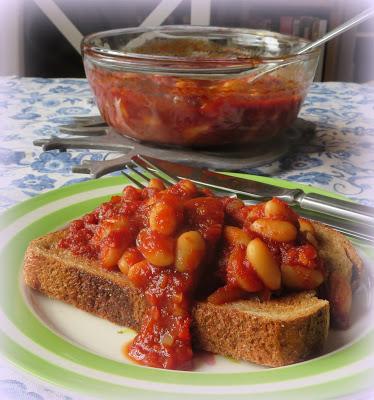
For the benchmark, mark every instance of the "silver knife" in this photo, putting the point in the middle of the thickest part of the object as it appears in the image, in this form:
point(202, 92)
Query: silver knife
point(314, 202)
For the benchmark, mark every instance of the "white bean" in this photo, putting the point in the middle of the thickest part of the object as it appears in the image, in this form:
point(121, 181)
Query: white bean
point(263, 262)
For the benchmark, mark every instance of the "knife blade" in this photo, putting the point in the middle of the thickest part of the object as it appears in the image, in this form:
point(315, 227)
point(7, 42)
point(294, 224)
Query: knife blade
point(263, 191)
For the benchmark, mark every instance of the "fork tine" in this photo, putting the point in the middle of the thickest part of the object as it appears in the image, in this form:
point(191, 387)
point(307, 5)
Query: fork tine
point(143, 163)
point(131, 179)
point(151, 174)
point(143, 180)
point(139, 161)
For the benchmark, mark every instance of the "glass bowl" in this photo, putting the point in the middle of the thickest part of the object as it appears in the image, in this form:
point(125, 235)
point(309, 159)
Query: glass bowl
point(198, 86)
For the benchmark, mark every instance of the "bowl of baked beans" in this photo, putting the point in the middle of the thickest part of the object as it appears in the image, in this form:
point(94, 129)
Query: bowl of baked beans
point(194, 86)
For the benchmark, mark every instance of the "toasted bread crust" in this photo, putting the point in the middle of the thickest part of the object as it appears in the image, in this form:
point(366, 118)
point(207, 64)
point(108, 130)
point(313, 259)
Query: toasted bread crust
point(78, 282)
point(338, 252)
point(295, 332)
point(262, 339)
point(345, 269)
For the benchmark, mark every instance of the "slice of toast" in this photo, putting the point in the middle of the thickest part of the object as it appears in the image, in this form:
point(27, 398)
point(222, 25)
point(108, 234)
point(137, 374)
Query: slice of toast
point(276, 332)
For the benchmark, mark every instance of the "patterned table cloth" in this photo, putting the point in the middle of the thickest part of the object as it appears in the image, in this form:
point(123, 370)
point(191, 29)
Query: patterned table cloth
point(339, 159)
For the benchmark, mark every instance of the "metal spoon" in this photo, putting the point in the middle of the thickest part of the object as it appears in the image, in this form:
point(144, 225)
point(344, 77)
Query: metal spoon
point(338, 30)
point(310, 46)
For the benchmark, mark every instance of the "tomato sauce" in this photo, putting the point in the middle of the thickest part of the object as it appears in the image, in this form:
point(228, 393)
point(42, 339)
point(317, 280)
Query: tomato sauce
point(164, 339)
point(195, 112)
point(174, 245)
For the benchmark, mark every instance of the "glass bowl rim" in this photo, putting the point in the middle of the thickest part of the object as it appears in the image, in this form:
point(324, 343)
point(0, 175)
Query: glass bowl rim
point(233, 64)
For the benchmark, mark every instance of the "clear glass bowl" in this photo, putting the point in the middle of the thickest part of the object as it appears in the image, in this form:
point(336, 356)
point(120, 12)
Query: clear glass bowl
point(198, 86)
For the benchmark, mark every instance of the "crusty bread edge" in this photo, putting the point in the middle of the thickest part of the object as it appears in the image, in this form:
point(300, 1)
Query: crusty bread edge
point(350, 252)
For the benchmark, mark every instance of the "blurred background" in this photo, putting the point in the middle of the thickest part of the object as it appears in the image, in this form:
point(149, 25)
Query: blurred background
point(40, 38)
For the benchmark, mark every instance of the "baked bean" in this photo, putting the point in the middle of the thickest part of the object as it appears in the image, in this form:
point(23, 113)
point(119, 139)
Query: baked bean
point(263, 262)
point(138, 274)
point(190, 250)
point(275, 208)
point(240, 217)
point(112, 249)
point(240, 273)
point(187, 186)
point(105, 227)
point(234, 205)
point(305, 255)
point(132, 193)
point(234, 236)
point(116, 199)
point(306, 226)
point(162, 218)
point(113, 237)
point(156, 183)
point(158, 249)
point(278, 209)
point(149, 193)
point(299, 277)
point(275, 229)
point(255, 212)
point(130, 257)
point(226, 294)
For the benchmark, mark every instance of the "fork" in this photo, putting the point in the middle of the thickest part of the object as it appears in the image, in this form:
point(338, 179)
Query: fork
point(139, 178)
point(142, 177)
point(139, 171)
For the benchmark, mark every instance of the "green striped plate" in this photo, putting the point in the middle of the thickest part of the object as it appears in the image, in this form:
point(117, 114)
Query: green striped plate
point(82, 353)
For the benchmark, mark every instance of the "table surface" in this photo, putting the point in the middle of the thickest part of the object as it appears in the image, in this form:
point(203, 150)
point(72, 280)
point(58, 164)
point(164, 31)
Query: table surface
point(339, 159)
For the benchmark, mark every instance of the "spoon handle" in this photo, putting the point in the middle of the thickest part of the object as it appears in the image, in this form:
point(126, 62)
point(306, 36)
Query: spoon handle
point(339, 29)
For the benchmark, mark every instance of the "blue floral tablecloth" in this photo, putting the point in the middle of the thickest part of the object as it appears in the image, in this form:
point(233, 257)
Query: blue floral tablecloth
point(339, 159)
